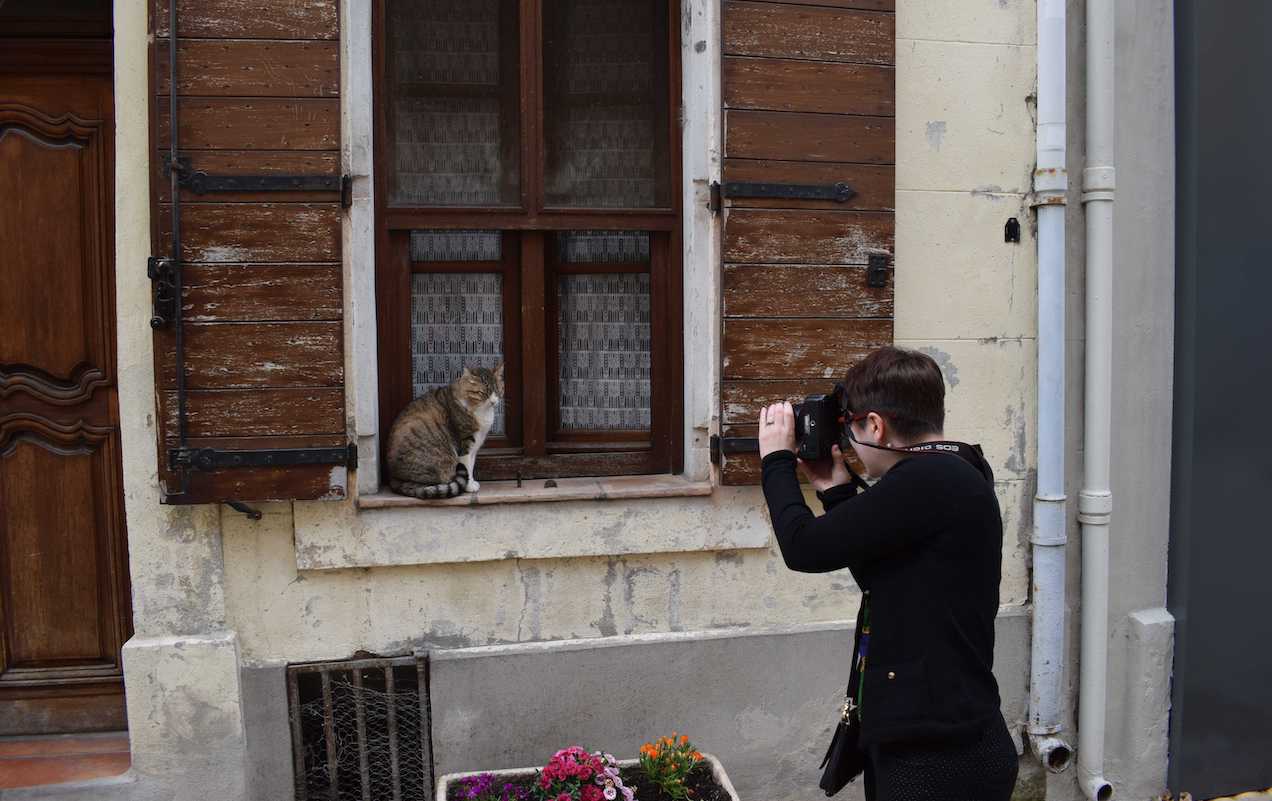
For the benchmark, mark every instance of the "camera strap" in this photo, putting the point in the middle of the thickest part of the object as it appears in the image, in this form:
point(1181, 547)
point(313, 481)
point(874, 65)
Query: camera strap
point(971, 453)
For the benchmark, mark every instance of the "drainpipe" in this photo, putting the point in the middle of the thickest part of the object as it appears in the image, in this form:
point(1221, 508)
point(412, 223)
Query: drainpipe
point(1050, 534)
point(1095, 501)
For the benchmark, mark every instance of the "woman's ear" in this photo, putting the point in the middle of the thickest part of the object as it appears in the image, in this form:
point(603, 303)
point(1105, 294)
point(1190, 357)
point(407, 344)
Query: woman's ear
point(877, 426)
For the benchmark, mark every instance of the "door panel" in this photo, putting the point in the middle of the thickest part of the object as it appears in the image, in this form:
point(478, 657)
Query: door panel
point(64, 612)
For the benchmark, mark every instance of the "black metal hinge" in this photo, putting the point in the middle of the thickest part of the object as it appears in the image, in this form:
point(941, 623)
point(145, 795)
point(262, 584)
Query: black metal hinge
point(163, 295)
point(728, 446)
point(838, 192)
point(877, 270)
point(200, 182)
point(213, 459)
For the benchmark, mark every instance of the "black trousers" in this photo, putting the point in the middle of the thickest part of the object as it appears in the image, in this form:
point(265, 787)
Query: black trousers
point(981, 769)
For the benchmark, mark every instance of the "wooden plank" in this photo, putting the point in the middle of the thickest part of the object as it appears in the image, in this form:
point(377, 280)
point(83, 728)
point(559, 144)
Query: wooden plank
point(253, 162)
point(253, 123)
point(776, 236)
point(774, 290)
point(238, 68)
point(257, 412)
point(248, 19)
point(255, 232)
point(784, 85)
point(862, 5)
point(741, 401)
point(247, 292)
point(798, 348)
point(810, 32)
point(743, 469)
point(246, 355)
point(304, 482)
point(874, 184)
point(809, 137)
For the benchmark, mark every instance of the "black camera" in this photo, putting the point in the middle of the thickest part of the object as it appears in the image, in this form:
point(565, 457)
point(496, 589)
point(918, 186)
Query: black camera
point(819, 424)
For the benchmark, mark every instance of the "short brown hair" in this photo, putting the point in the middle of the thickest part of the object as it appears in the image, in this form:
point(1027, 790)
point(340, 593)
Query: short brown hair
point(904, 386)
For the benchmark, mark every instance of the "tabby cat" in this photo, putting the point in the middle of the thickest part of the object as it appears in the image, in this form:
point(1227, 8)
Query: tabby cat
point(434, 441)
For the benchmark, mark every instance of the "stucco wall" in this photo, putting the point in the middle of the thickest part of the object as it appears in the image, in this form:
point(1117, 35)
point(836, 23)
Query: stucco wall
point(231, 586)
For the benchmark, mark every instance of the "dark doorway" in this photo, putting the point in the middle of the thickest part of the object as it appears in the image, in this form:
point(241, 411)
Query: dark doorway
point(64, 592)
point(1221, 542)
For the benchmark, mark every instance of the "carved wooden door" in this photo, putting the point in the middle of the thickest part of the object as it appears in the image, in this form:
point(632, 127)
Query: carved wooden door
point(64, 595)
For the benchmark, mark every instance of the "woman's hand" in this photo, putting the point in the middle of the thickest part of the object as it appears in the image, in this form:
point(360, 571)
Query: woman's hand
point(826, 473)
point(777, 429)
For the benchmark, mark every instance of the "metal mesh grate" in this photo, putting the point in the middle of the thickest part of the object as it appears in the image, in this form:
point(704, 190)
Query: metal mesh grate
point(360, 730)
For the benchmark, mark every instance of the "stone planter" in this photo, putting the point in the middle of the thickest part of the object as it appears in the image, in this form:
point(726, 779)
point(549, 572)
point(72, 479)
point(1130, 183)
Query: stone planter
point(444, 783)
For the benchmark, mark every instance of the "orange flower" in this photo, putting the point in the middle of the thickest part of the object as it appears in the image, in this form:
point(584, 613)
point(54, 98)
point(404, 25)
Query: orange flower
point(684, 739)
point(697, 755)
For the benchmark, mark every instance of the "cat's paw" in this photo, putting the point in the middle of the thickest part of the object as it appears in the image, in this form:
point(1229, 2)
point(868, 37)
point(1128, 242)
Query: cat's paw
point(473, 485)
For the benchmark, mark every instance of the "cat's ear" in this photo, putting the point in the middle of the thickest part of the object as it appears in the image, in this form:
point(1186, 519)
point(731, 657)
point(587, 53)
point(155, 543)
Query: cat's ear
point(499, 371)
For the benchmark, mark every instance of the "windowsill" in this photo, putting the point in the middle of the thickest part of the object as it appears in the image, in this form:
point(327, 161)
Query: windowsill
point(566, 489)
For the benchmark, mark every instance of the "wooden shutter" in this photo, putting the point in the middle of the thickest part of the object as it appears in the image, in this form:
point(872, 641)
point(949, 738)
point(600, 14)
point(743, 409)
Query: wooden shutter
point(808, 91)
point(258, 96)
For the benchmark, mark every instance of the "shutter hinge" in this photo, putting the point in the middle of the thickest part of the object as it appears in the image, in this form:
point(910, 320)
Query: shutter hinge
point(207, 459)
point(713, 200)
point(201, 183)
point(729, 446)
point(351, 463)
point(840, 192)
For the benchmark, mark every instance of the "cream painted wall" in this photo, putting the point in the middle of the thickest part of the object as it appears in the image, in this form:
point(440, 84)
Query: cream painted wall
point(965, 76)
point(964, 154)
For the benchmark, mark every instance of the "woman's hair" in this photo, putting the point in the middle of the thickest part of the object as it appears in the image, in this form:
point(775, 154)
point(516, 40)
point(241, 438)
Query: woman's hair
point(904, 386)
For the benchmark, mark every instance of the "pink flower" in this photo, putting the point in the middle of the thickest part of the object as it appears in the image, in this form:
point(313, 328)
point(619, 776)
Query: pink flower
point(563, 797)
point(592, 793)
point(544, 781)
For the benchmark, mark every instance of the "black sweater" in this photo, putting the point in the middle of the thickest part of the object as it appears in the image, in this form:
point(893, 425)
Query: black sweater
point(926, 542)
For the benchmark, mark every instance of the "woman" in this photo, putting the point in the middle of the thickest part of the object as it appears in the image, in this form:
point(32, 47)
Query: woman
point(924, 543)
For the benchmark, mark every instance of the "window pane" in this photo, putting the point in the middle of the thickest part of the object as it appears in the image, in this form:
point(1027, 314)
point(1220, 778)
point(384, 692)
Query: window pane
point(452, 71)
point(604, 354)
point(456, 245)
point(608, 247)
point(605, 104)
point(456, 322)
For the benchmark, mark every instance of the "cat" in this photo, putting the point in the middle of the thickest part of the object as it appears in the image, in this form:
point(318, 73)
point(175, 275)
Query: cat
point(434, 441)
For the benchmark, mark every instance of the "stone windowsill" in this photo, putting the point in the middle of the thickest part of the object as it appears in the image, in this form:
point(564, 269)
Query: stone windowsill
point(535, 491)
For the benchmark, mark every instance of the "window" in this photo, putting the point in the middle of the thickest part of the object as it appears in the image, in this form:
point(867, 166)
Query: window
point(528, 210)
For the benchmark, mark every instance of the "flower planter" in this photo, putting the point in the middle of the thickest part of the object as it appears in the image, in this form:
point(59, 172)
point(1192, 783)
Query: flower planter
point(446, 782)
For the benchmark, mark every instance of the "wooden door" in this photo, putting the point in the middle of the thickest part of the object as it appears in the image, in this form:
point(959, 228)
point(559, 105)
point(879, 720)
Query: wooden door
point(64, 595)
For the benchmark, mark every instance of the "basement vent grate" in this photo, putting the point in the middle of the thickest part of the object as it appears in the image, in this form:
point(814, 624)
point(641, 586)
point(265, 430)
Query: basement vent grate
point(360, 730)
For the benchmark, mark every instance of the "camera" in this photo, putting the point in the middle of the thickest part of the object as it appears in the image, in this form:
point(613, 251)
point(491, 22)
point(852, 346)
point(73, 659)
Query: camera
point(819, 424)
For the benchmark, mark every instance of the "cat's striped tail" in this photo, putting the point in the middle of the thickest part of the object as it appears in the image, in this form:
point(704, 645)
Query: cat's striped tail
point(427, 491)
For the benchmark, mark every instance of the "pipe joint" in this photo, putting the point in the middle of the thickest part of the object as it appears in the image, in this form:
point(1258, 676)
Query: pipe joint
point(1055, 754)
point(1051, 179)
point(1095, 507)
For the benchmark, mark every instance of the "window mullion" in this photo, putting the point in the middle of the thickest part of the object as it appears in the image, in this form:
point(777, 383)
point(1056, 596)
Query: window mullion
point(533, 344)
point(532, 104)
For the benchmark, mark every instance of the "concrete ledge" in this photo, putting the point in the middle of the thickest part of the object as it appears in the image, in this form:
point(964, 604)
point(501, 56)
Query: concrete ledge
point(561, 489)
point(763, 701)
point(335, 536)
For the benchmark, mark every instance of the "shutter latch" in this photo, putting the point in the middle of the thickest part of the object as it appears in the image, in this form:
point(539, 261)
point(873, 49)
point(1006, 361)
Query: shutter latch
point(163, 296)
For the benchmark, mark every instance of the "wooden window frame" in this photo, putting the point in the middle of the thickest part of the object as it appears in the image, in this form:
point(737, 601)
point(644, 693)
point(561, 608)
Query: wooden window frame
point(534, 446)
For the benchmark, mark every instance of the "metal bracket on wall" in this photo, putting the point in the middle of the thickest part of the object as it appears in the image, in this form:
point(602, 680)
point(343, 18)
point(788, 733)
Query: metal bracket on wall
point(201, 183)
point(728, 446)
point(839, 192)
